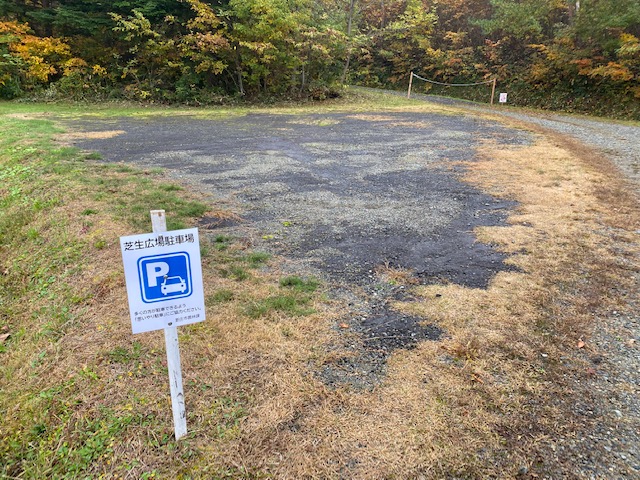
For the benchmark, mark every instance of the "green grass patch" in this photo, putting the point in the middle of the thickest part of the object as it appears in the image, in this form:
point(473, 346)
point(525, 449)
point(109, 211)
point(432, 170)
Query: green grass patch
point(221, 242)
point(236, 272)
point(257, 259)
point(229, 414)
point(353, 99)
point(133, 196)
point(170, 187)
point(299, 284)
point(93, 156)
point(293, 299)
point(121, 354)
point(223, 295)
point(294, 305)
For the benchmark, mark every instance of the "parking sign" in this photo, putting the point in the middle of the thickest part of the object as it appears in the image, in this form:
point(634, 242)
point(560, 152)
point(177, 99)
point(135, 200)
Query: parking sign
point(164, 279)
point(164, 276)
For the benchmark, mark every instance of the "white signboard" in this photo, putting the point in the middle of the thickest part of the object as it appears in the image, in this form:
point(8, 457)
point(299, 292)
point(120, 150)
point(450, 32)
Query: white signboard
point(164, 279)
point(503, 98)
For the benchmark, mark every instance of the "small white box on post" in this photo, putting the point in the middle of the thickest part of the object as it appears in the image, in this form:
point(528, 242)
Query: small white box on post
point(163, 273)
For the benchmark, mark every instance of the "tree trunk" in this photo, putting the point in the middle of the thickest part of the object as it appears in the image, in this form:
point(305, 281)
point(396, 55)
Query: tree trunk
point(346, 67)
point(352, 4)
point(236, 58)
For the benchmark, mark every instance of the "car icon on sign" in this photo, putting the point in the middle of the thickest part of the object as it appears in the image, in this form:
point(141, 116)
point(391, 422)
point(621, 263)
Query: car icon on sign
point(173, 285)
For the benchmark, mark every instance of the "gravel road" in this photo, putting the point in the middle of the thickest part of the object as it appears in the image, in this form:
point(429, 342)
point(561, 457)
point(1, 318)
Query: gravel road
point(341, 195)
point(618, 141)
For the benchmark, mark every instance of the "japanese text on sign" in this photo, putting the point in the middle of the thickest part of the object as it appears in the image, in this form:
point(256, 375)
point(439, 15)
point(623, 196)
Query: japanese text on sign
point(159, 241)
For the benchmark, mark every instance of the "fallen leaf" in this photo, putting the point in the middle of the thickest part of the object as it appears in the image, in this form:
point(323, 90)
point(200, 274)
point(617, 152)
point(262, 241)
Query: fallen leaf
point(591, 371)
point(580, 344)
point(344, 325)
point(631, 342)
point(4, 336)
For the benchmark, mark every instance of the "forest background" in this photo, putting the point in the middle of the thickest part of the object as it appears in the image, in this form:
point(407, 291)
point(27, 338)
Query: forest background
point(565, 55)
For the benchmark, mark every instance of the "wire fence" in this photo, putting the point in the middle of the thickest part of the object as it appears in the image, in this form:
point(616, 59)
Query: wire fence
point(491, 82)
point(452, 84)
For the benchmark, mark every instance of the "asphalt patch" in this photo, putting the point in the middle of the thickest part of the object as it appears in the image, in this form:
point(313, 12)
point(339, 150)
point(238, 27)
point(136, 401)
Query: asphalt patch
point(385, 330)
point(379, 334)
point(339, 196)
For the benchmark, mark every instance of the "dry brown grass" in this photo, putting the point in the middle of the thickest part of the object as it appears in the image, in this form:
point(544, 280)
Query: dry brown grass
point(370, 117)
point(423, 125)
point(390, 121)
point(27, 116)
point(396, 276)
point(75, 136)
point(321, 122)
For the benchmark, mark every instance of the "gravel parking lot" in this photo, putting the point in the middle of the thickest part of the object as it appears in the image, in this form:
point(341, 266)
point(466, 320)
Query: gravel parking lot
point(339, 196)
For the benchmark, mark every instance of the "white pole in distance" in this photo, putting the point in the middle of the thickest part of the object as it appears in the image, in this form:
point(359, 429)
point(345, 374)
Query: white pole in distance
point(159, 224)
point(493, 89)
point(410, 82)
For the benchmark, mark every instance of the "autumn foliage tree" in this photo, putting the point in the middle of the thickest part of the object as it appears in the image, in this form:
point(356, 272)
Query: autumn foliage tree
point(29, 61)
point(553, 53)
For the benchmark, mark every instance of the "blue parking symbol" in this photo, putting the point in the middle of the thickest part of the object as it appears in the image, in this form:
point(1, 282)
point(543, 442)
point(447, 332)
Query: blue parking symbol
point(165, 277)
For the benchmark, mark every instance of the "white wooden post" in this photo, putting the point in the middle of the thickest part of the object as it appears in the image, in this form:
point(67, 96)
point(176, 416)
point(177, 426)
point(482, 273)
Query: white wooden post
point(410, 82)
point(159, 224)
point(493, 90)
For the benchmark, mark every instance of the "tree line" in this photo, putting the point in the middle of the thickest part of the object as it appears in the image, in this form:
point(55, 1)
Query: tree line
point(566, 54)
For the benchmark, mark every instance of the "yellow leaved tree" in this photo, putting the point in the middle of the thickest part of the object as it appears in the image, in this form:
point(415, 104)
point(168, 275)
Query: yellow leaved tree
point(27, 61)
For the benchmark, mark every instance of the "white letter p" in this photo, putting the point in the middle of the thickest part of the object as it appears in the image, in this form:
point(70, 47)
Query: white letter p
point(156, 270)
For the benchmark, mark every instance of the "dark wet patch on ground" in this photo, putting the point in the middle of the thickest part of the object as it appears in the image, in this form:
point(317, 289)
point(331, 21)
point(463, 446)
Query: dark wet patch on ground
point(363, 360)
point(339, 196)
point(211, 223)
point(385, 330)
